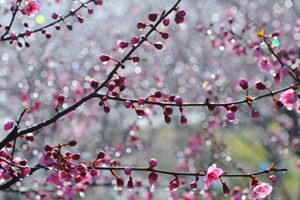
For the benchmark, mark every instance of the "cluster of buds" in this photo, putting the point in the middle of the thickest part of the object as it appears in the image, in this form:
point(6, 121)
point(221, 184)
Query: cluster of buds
point(244, 85)
point(65, 163)
point(102, 103)
point(140, 112)
point(134, 41)
point(179, 16)
point(13, 167)
point(259, 189)
point(153, 176)
point(178, 101)
point(127, 171)
point(287, 98)
point(231, 110)
point(105, 58)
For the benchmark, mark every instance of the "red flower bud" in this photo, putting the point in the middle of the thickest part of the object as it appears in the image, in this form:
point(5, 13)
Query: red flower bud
point(104, 58)
point(183, 120)
point(76, 156)
point(123, 44)
point(226, 189)
point(158, 46)
point(60, 98)
point(260, 86)
point(127, 170)
point(243, 83)
point(152, 162)
point(166, 22)
point(152, 17)
point(72, 143)
point(94, 84)
point(101, 155)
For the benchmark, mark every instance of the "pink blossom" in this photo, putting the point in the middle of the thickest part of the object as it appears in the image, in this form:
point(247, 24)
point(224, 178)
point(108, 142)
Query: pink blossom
point(46, 159)
point(212, 175)
point(288, 98)
point(261, 191)
point(30, 7)
point(264, 64)
point(8, 125)
point(54, 178)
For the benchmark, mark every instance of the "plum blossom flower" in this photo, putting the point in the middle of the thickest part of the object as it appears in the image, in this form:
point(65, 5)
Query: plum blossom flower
point(261, 191)
point(212, 175)
point(289, 98)
point(30, 7)
point(264, 64)
point(54, 178)
point(46, 159)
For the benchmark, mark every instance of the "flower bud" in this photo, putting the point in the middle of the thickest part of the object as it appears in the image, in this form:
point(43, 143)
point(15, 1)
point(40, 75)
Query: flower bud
point(193, 185)
point(243, 83)
point(152, 162)
point(260, 86)
point(273, 178)
point(8, 125)
point(226, 190)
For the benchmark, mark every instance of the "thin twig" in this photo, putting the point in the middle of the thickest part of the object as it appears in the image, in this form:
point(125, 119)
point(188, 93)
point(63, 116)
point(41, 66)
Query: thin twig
point(51, 24)
point(11, 21)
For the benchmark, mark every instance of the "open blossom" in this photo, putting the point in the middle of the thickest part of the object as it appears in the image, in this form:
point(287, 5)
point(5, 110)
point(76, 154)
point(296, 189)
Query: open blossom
point(288, 98)
point(54, 178)
point(261, 191)
point(212, 175)
point(264, 64)
point(30, 7)
point(46, 159)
